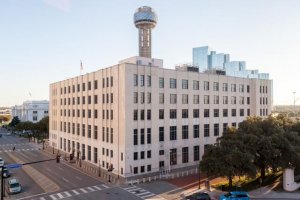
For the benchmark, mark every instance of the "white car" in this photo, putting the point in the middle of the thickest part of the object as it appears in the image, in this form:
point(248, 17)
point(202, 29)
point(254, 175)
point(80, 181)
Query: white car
point(13, 186)
point(1, 162)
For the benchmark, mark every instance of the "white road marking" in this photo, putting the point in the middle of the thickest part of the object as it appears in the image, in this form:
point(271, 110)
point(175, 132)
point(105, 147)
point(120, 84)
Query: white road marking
point(83, 190)
point(143, 193)
point(98, 188)
point(65, 179)
point(68, 194)
point(91, 189)
point(60, 195)
point(104, 186)
point(75, 192)
point(42, 198)
point(52, 197)
point(78, 178)
point(149, 195)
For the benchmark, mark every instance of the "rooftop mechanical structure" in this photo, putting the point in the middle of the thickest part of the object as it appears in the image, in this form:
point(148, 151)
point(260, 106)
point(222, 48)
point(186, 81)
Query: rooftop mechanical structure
point(145, 20)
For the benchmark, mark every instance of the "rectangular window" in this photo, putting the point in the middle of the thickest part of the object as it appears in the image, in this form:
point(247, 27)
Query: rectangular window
point(135, 79)
point(161, 134)
point(83, 86)
point(185, 113)
point(225, 87)
point(148, 97)
point(241, 88)
point(89, 131)
point(196, 153)
point(216, 129)
point(173, 157)
point(206, 85)
point(248, 100)
point(142, 80)
point(89, 113)
point(161, 152)
point(161, 82)
point(216, 86)
point(95, 99)
point(195, 85)
point(216, 99)
point(142, 115)
point(206, 99)
point(83, 130)
point(173, 98)
point(142, 97)
point(161, 113)
point(173, 133)
point(142, 136)
point(225, 125)
point(103, 82)
point(161, 98)
point(142, 154)
point(149, 81)
point(225, 112)
point(196, 113)
point(225, 100)
point(196, 131)
point(206, 130)
point(161, 164)
point(173, 113)
point(135, 97)
point(111, 135)
point(196, 99)
point(173, 83)
point(185, 84)
point(233, 87)
point(95, 155)
point(206, 112)
point(216, 112)
point(242, 112)
point(148, 135)
point(89, 85)
point(148, 114)
point(135, 115)
point(241, 101)
point(135, 137)
point(95, 84)
point(185, 99)
point(95, 132)
point(135, 155)
point(185, 154)
point(233, 112)
point(111, 98)
point(149, 154)
point(185, 132)
point(233, 100)
point(248, 112)
point(89, 152)
point(111, 81)
point(248, 88)
point(107, 81)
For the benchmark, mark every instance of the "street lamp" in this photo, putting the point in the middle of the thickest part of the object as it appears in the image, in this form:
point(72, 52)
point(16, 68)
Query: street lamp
point(199, 187)
point(170, 161)
point(99, 171)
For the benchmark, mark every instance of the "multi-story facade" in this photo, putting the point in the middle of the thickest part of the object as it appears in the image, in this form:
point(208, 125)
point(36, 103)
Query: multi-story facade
point(32, 111)
point(139, 118)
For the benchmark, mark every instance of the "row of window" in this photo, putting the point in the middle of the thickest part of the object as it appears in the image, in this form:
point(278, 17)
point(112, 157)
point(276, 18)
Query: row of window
point(263, 89)
point(106, 114)
point(108, 98)
point(185, 84)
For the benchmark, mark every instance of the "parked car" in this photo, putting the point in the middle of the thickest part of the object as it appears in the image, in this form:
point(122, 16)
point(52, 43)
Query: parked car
point(235, 195)
point(6, 172)
point(198, 196)
point(13, 186)
point(1, 162)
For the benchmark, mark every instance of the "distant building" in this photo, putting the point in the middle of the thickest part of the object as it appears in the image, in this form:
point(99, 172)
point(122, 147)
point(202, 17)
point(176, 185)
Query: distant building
point(205, 59)
point(32, 111)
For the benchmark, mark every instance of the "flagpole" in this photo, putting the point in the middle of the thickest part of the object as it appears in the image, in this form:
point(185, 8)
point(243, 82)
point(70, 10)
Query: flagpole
point(81, 67)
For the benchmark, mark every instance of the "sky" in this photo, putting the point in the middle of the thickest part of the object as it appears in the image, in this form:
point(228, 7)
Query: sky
point(43, 41)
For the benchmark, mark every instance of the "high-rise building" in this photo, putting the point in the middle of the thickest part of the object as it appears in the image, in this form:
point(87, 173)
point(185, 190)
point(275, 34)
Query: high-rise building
point(137, 118)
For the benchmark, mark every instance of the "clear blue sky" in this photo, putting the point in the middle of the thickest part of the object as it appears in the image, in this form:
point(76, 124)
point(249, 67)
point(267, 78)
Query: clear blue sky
point(43, 41)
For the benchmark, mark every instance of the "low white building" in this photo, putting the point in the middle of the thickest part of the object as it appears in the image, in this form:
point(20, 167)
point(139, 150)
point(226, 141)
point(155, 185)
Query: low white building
point(140, 118)
point(32, 111)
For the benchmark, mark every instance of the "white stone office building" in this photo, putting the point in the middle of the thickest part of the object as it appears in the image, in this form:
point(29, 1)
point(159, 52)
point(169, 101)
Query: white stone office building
point(139, 118)
point(32, 111)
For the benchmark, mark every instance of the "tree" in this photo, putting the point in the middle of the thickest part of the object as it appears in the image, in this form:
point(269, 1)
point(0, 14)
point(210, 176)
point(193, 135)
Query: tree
point(14, 121)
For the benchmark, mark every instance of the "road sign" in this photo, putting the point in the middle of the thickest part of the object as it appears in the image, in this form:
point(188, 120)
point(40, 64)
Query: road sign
point(14, 166)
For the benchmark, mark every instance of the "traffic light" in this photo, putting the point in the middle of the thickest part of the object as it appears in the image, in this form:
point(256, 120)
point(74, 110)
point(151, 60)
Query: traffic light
point(57, 158)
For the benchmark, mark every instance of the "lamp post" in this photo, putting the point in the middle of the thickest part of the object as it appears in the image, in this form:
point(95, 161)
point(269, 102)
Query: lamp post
point(199, 187)
point(99, 170)
point(79, 159)
point(170, 161)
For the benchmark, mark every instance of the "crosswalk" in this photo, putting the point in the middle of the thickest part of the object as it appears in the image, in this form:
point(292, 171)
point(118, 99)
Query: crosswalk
point(17, 144)
point(74, 192)
point(142, 193)
point(17, 150)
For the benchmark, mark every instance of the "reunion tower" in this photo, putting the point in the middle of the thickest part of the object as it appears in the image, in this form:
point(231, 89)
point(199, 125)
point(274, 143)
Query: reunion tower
point(145, 20)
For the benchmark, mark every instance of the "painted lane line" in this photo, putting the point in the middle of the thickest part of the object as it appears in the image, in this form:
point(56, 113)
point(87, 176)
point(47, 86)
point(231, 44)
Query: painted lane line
point(129, 188)
point(68, 194)
point(75, 192)
point(60, 195)
point(133, 190)
point(90, 189)
point(149, 195)
point(143, 193)
point(52, 197)
point(83, 190)
point(98, 188)
point(42, 198)
point(105, 186)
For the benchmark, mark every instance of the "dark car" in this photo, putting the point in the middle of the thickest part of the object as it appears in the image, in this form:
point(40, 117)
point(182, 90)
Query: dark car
point(198, 196)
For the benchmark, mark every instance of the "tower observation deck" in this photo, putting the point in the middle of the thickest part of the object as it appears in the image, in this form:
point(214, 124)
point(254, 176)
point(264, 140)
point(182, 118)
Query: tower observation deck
point(145, 20)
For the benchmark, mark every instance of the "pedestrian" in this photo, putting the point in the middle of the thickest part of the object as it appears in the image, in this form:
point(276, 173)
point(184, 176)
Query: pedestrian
point(14, 148)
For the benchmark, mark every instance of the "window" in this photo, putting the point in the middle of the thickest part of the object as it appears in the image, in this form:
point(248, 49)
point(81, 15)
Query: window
point(196, 153)
point(233, 112)
point(135, 97)
point(206, 130)
point(149, 81)
point(135, 170)
point(185, 99)
point(111, 98)
point(196, 99)
point(34, 118)
point(161, 113)
point(173, 98)
point(148, 114)
point(241, 101)
point(142, 136)
point(142, 115)
point(185, 132)
point(233, 87)
point(161, 82)
point(225, 87)
point(216, 112)
point(173, 83)
point(89, 113)
point(216, 99)
point(107, 81)
point(89, 131)
point(185, 154)
point(185, 84)
point(161, 134)
point(142, 154)
point(225, 99)
point(135, 115)
point(173, 157)
point(89, 85)
point(135, 155)
point(173, 133)
point(148, 168)
point(142, 80)
point(248, 100)
point(95, 99)
point(161, 164)
point(83, 130)
point(233, 100)
point(78, 87)
point(196, 131)
point(248, 88)
point(149, 154)
point(161, 152)
point(95, 155)
point(206, 99)
point(83, 100)
point(233, 124)
point(95, 132)
point(103, 98)
point(135, 79)
point(225, 125)
point(111, 81)
point(161, 98)
point(95, 84)
point(216, 86)
point(196, 113)
point(148, 135)
point(185, 113)
point(135, 137)
point(89, 152)
point(206, 85)
point(216, 129)
point(148, 97)
point(195, 85)
point(242, 112)
point(111, 135)
point(142, 169)
point(206, 112)
point(142, 97)
point(225, 112)
point(248, 112)
point(83, 86)
point(173, 113)
point(241, 88)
